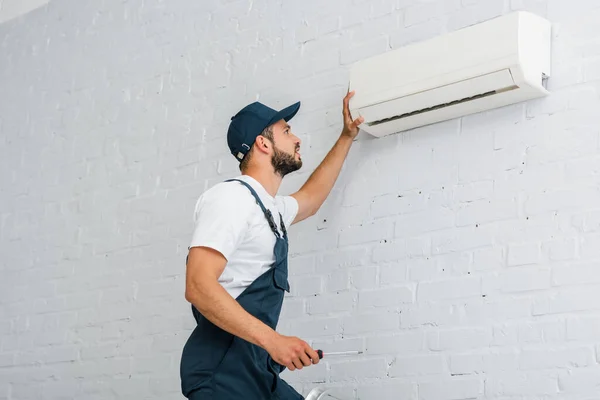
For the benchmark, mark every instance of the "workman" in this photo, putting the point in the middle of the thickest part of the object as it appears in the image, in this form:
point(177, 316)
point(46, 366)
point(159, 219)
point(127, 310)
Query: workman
point(237, 266)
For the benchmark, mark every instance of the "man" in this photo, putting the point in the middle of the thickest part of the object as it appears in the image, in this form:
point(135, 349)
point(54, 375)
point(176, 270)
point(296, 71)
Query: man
point(237, 262)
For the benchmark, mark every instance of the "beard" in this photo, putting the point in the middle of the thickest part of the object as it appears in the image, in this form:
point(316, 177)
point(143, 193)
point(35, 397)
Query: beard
point(284, 163)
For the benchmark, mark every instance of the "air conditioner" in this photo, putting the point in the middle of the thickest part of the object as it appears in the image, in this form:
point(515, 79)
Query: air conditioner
point(495, 63)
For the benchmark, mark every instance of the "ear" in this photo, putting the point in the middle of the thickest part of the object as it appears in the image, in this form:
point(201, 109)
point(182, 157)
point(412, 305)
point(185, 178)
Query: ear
point(262, 144)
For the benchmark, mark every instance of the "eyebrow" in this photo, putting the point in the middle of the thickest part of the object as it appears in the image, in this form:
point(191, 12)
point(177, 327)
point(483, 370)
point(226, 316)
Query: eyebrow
point(287, 126)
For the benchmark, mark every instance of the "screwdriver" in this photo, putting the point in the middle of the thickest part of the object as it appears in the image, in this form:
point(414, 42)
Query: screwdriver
point(337, 353)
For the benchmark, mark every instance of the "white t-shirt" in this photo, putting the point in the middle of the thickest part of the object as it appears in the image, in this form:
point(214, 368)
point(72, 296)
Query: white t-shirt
point(228, 219)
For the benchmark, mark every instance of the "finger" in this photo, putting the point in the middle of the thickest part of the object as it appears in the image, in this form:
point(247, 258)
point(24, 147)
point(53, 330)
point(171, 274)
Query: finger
point(346, 109)
point(305, 360)
point(291, 367)
point(297, 363)
point(359, 121)
point(314, 356)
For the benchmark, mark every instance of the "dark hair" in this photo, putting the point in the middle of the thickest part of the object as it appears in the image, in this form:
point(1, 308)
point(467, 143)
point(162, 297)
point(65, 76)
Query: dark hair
point(267, 133)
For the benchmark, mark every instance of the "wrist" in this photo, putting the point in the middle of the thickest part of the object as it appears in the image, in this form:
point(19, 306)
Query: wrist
point(347, 136)
point(267, 337)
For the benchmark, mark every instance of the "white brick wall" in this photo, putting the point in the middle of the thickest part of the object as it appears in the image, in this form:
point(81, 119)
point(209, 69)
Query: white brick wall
point(463, 258)
point(10, 9)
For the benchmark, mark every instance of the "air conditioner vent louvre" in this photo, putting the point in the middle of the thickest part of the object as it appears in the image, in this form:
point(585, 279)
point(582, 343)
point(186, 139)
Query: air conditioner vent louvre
point(444, 105)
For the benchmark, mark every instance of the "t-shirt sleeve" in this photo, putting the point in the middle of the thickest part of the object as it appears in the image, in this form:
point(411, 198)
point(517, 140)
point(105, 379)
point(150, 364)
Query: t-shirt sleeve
point(288, 206)
point(222, 218)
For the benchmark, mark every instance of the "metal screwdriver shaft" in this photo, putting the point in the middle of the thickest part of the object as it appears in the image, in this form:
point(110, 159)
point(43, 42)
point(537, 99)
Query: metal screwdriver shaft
point(338, 353)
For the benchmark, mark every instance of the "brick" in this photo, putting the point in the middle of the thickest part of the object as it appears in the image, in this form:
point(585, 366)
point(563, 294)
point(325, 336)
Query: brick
point(524, 254)
point(428, 315)
point(337, 280)
point(589, 246)
point(331, 303)
point(455, 389)
point(400, 249)
point(371, 232)
point(392, 274)
point(372, 322)
point(459, 339)
point(306, 242)
point(449, 289)
point(342, 258)
point(539, 7)
point(579, 381)
point(312, 328)
point(402, 343)
point(417, 365)
point(574, 142)
point(390, 296)
point(7, 360)
point(475, 12)
point(364, 278)
point(425, 269)
point(467, 364)
point(388, 390)
point(306, 285)
point(306, 32)
point(575, 274)
point(415, 224)
point(580, 170)
point(480, 310)
point(425, 11)
point(357, 369)
point(561, 249)
point(522, 384)
point(492, 258)
point(293, 308)
point(562, 199)
point(417, 33)
point(364, 50)
point(472, 191)
point(542, 332)
point(301, 265)
point(460, 239)
point(394, 204)
point(487, 210)
point(518, 280)
point(556, 358)
point(583, 328)
point(577, 298)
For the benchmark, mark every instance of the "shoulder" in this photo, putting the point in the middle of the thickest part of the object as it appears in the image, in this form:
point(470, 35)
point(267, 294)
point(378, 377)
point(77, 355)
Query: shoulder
point(231, 197)
point(224, 191)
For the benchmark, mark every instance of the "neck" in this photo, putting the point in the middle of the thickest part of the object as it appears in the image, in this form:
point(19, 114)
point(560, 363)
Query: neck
point(266, 177)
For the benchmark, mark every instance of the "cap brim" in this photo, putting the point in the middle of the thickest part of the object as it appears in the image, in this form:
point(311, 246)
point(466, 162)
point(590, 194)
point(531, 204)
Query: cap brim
point(286, 114)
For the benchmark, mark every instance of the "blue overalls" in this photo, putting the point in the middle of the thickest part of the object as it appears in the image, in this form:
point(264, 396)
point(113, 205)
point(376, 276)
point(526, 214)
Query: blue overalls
point(217, 365)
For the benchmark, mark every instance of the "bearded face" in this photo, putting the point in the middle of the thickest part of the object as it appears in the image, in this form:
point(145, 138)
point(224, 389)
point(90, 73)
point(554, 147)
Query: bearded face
point(285, 163)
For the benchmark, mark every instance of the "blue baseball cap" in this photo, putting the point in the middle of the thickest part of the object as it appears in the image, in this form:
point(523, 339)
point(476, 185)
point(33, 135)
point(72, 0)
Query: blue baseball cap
point(250, 122)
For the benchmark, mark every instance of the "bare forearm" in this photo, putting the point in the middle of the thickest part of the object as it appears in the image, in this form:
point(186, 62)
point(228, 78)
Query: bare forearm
point(321, 181)
point(225, 312)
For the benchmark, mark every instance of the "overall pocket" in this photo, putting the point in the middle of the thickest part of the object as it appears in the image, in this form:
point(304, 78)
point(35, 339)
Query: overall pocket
point(280, 280)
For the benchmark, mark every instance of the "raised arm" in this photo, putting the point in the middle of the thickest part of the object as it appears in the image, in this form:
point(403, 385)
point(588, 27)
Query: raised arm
point(313, 193)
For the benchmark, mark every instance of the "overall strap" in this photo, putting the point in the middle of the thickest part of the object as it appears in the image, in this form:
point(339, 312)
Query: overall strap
point(266, 211)
point(282, 227)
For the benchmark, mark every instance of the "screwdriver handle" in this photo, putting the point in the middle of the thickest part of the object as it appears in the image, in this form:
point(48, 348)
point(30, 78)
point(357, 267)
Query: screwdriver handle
point(320, 353)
